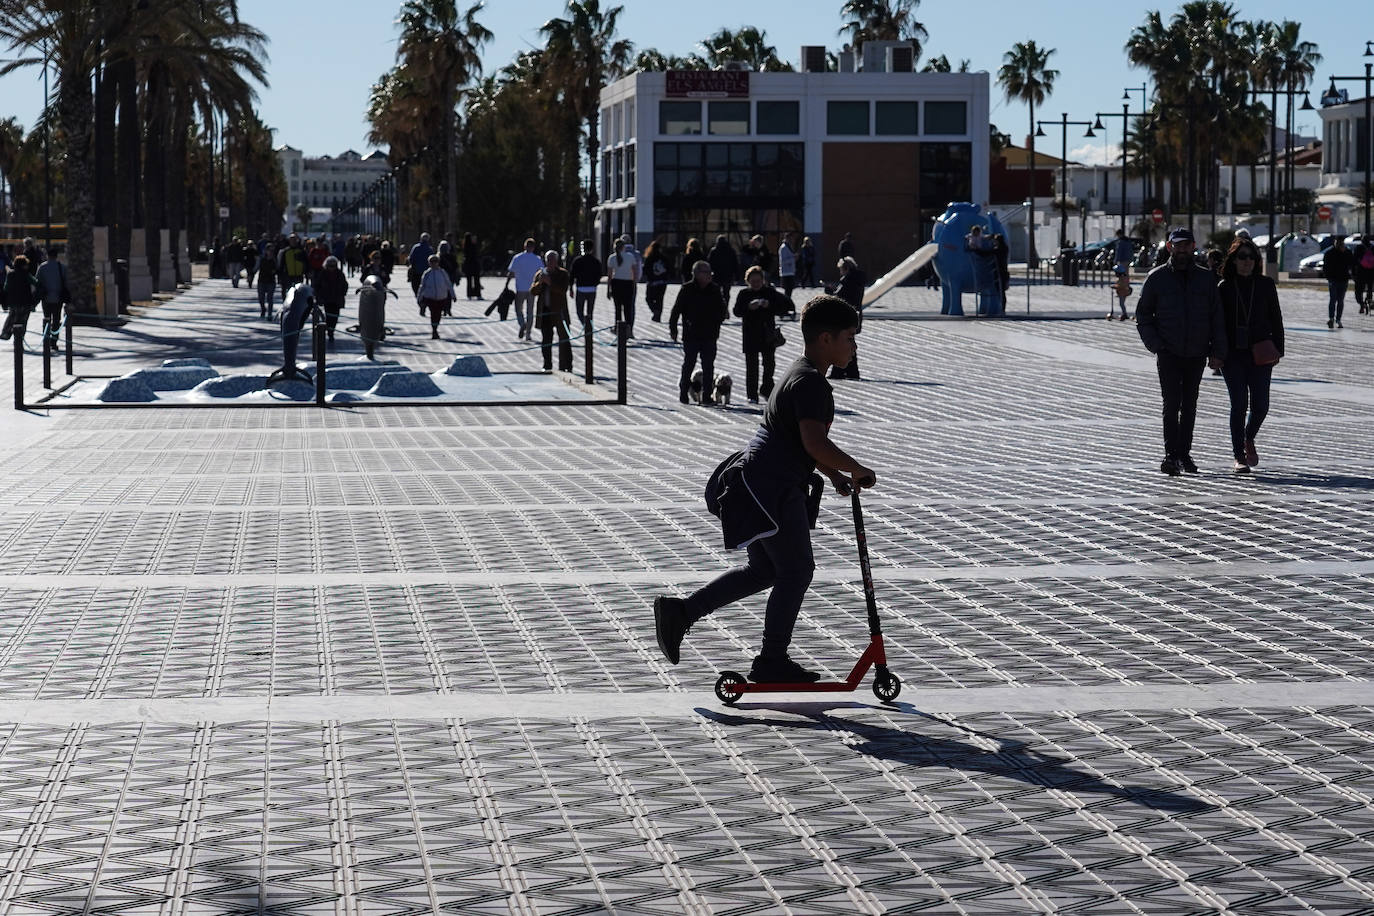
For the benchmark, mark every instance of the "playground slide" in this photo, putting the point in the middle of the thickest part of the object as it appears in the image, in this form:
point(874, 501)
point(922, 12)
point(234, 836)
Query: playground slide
point(919, 258)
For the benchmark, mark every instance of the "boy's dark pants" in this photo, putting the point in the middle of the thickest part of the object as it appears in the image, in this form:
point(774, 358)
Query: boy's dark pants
point(691, 349)
point(783, 561)
point(1179, 379)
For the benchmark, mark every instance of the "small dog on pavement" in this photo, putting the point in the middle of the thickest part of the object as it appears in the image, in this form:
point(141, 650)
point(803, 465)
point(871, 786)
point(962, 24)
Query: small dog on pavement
point(720, 389)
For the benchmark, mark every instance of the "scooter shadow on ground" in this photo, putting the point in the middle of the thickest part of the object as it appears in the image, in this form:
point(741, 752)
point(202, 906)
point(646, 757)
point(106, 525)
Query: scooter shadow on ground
point(1012, 759)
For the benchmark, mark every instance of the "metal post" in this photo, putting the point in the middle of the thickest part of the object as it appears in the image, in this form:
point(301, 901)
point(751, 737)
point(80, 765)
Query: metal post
point(18, 372)
point(47, 165)
point(1368, 151)
point(622, 360)
point(47, 358)
point(1273, 162)
point(587, 348)
point(68, 325)
point(317, 344)
point(1125, 135)
point(1188, 184)
point(1064, 182)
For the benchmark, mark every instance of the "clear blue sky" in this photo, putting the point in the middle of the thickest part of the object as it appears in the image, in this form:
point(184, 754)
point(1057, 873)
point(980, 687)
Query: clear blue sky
point(325, 56)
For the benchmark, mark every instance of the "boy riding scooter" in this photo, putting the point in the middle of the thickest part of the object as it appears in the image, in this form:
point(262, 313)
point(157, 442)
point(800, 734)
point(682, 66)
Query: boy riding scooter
point(768, 496)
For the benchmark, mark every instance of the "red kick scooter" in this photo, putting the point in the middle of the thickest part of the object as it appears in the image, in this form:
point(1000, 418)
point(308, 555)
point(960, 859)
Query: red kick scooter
point(731, 685)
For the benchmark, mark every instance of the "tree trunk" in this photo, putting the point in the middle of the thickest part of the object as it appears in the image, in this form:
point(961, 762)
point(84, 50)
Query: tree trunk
point(450, 172)
point(593, 155)
point(103, 199)
point(154, 187)
point(176, 177)
point(128, 168)
point(76, 112)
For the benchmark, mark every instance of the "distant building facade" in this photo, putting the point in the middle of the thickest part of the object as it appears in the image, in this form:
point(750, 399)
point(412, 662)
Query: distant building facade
point(877, 152)
point(326, 183)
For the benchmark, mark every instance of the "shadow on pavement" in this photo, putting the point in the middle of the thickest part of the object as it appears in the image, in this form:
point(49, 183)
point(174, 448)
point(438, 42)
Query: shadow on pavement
point(1317, 481)
point(1012, 759)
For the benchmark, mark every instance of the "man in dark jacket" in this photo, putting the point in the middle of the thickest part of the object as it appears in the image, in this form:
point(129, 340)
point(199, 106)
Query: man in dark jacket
point(701, 308)
point(1180, 320)
point(1363, 257)
point(724, 265)
point(1337, 265)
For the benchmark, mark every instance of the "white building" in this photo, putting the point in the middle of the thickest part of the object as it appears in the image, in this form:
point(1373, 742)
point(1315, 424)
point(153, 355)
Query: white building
point(877, 153)
point(1345, 159)
point(324, 183)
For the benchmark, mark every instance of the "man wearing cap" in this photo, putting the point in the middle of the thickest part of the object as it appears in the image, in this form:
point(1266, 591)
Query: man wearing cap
point(1180, 320)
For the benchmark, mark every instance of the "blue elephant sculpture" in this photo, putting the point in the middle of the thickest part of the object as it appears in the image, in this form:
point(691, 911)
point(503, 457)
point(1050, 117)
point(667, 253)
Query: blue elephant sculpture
point(968, 262)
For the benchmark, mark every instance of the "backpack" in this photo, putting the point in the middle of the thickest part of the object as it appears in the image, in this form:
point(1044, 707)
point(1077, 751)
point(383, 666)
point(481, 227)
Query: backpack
point(1367, 258)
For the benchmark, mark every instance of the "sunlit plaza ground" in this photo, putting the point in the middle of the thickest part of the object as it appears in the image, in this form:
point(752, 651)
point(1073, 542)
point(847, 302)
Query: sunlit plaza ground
point(400, 660)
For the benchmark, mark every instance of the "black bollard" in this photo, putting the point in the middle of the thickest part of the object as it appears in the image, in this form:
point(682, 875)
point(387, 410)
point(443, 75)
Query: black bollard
point(587, 347)
point(317, 333)
point(18, 373)
point(622, 360)
point(47, 358)
point(68, 325)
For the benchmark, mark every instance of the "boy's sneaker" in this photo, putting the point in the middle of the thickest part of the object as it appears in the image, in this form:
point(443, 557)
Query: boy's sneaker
point(1169, 466)
point(670, 625)
point(1186, 463)
point(1241, 467)
point(783, 670)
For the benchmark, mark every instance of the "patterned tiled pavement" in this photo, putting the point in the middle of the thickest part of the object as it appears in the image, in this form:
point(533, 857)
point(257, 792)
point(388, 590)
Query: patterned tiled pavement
point(400, 660)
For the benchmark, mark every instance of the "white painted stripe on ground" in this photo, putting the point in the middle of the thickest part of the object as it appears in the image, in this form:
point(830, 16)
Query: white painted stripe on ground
point(602, 705)
point(676, 577)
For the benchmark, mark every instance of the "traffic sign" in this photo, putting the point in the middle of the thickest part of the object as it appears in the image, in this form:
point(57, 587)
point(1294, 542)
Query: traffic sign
point(223, 212)
point(1157, 216)
point(1323, 213)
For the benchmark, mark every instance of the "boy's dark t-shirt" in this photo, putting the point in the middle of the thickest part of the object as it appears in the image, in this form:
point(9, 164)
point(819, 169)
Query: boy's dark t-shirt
point(803, 394)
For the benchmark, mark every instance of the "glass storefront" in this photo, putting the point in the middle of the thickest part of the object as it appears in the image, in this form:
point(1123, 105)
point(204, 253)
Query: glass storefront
point(707, 189)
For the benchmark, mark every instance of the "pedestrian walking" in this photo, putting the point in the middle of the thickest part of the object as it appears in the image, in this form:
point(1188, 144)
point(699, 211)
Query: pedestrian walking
point(448, 260)
point(435, 291)
point(806, 263)
point(757, 305)
point(787, 268)
point(353, 255)
point(250, 262)
point(331, 290)
point(1254, 335)
point(724, 266)
point(292, 264)
point(417, 262)
point(267, 281)
point(51, 279)
point(851, 290)
point(18, 298)
point(695, 251)
point(701, 310)
point(1363, 255)
point(550, 289)
point(622, 273)
point(233, 257)
point(522, 269)
point(1337, 266)
point(846, 246)
point(586, 271)
point(472, 266)
point(1180, 320)
point(767, 499)
point(1121, 288)
point(1122, 252)
point(657, 269)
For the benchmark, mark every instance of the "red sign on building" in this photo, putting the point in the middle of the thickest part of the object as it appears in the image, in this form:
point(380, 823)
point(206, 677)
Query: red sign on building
point(708, 84)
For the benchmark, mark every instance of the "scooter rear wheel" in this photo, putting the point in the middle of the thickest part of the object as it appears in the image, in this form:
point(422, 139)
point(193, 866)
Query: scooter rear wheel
point(726, 687)
point(886, 686)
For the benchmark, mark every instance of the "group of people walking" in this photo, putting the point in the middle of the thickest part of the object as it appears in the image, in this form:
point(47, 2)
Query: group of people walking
point(1188, 318)
point(32, 279)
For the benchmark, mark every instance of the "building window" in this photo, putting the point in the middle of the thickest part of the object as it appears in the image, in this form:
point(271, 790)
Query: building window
point(946, 118)
point(779, 118)
point(606, 138)
point(946, 174)
point(846, 119)
point(679, 118)
point(606, 176)
point(728, 118)
point(630, 171)
point(727, 175)
point(619, 160)
point(295, 167)
point(630, 119)
point(295, 187)
point(895, 119)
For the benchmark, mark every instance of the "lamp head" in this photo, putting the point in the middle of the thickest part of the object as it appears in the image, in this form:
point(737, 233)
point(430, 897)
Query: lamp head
point(1089, 132)
point(1367, 51)
point(1306, 103)
point(1097, 125)
point(1039, 130)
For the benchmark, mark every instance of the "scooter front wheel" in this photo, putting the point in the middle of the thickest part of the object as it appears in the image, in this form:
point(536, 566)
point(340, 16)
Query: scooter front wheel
point(727, 687)
point(886, 686)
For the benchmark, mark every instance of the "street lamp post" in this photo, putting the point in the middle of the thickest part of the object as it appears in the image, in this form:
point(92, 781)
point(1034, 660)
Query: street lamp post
point(1125, 117)
point(1332, 94)
point(47, 157)
point(1064, 123)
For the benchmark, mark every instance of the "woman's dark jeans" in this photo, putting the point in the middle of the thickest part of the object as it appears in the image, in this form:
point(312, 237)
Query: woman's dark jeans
point(1248, 386)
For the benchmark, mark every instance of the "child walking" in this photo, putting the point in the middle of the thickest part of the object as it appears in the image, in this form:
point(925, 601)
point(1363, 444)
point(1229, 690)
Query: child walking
point(761, 495)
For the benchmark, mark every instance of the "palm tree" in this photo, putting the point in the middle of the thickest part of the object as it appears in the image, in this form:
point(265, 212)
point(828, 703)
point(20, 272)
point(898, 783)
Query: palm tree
point(441, 50)
point(652, 60)
point(583, 54)
point(1025, 76)
point(883, 20)
point(1296, 64)
point(749, 45)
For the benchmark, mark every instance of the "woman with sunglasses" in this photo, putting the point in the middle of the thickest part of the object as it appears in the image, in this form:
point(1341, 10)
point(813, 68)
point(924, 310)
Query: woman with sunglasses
point(1250, 302)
